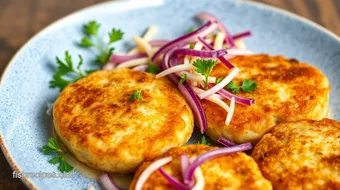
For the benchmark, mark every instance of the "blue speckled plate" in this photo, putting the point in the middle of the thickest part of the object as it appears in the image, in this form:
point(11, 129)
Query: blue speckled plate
point(24, 91)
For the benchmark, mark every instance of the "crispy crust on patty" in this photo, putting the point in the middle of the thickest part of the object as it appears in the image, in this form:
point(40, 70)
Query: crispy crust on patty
point(102, 128)
point(287, 91)
point(234, 171)
point(301, 155)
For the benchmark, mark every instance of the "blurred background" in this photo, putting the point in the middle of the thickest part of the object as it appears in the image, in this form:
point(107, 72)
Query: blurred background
point(21, 19)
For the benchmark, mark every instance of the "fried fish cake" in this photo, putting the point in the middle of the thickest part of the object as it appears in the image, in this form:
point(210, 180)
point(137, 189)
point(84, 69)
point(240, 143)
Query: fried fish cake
point(287, 91)
point(233, 171)
point(301, 155)
point(99, 123)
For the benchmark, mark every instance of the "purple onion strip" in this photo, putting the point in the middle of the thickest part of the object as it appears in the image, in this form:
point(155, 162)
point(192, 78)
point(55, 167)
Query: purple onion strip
point(238, 99)
point(191, 37)
point(221, 27)
point(107, 183)
point(141, 68)
point(173, 181)
point(241, 35)
point(221, 58)
point(189, 174)
point(226, 142)
point(184, 163)
point(158, 42)
point(116, 59)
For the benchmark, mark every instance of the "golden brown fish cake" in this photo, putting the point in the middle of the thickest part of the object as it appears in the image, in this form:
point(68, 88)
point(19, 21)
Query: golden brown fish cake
point(301, 155)
point(233, 171)
point(102, 128)
point(287, 91)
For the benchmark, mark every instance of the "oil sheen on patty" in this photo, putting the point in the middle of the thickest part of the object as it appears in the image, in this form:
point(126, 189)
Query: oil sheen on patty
point(287, 91)
point(301, 155)
point(236, 171)
point(98, 123)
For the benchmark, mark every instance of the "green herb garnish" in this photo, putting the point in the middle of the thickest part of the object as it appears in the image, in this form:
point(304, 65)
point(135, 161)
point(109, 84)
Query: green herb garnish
point(183, 78)
point(191, 45)
point(204, 67)
point(233, 87)
point(218, 80)
point(53, 147)
point(136, 96)
point(92, 40)
point(191, 29)
point(152, 69)
point(247, 86)
point(204, 141)
point(66, 69)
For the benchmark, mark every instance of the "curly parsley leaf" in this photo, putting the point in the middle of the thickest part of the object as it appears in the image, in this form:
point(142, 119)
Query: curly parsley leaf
point(191, 29)
point(66, 69)
point(86, 42)
point(55, 160)
point(91, 39)
point(91, 28)
point(183, 78)
point(218, 80)
point(53, 147)
point(152, 68)
point(115, 35)
point(64, 166)
point(136, 96)
point(204, 67)
point(204, 141)
point(248, 85)
point(233, 87)
point(191, 45)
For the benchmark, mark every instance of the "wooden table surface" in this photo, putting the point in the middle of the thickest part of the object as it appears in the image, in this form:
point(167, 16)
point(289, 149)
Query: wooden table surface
point(21, 19)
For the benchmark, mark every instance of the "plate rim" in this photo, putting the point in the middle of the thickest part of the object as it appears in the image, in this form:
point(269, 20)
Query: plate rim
point(27, 182)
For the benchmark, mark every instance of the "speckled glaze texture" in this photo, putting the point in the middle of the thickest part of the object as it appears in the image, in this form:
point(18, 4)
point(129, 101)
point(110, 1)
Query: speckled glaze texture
point(24, 89)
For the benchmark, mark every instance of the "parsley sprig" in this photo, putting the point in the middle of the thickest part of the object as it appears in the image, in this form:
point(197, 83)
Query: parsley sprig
point(204, 141)
point(66, 72)
point(136, 96)
point(247, 86)
point(53, 147)
point(91, 39)
point(183, 78)
point(152, 68)
point(204, 67)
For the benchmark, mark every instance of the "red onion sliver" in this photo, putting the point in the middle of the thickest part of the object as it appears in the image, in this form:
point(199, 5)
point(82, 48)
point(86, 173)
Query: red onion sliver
point(241, 35)
point(222, 59)
point(195, 104)
point(189, 174)
point(200, 53)
point(158, 42)
point(170, 60)
point(191, 37)
point(107, 183)
point(116, 59)
point(226, 142)
point(149, 170)
point(109, 66)
point(184, 163)
point(173, 181)
point(220, 26)
point(238, 99)
point(141, 68)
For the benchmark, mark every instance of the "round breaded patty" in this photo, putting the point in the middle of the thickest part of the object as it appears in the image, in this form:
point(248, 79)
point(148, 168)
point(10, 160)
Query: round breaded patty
point(98, 123)
point(233, 171)
point(287, 91)
point(301, 155)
